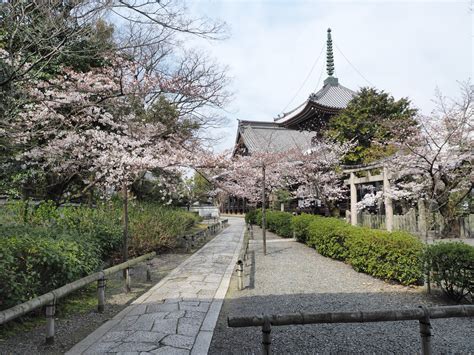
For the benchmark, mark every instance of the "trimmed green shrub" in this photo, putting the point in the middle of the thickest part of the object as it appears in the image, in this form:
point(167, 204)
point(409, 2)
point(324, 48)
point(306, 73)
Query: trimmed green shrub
point(277, 221)
point(300, 225)
point(452, 268)
point(390, 256)
point(59, 245)
point(258, 218)
point(101, 225)
point(327, 236)
point(280, 223)
point(251, 217)
point(153, 227)
point(31, 266)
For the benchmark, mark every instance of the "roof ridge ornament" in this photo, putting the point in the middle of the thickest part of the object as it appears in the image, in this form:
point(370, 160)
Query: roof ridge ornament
point(329, 55)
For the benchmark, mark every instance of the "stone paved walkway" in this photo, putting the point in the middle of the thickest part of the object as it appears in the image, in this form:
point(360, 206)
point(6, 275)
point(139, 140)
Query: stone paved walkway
point(177, 315)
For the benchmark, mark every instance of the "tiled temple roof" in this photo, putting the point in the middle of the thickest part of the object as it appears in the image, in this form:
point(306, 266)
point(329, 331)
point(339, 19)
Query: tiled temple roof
point(261, 137)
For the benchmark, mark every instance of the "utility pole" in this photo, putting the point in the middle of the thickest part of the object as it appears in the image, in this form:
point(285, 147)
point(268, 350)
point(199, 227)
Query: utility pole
point(264, 232)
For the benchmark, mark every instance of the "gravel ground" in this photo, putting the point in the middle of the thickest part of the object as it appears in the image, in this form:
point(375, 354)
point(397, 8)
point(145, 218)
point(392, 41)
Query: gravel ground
point(72, 329)
point(294, 278)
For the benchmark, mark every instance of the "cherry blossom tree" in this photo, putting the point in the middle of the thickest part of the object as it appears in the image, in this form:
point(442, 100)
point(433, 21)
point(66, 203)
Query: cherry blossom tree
point(436, 162)
point(299, 170)
point(319, 175)
point(39, 39)
point(85, 127)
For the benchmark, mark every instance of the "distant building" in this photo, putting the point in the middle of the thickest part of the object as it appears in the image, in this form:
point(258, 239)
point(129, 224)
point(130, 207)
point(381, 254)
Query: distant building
point(293, 129)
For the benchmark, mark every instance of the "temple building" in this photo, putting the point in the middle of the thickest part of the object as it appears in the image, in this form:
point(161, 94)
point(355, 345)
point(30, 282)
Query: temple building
point(293, 129)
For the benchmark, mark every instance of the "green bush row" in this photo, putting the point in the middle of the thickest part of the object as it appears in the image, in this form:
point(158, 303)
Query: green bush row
point(31, 266)
point(391, 256)
point(451, 267)
point(277, 222)
point(43, 247)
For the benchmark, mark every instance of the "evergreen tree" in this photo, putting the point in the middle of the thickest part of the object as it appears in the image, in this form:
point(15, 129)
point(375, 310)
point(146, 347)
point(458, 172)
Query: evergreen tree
point(372, 119)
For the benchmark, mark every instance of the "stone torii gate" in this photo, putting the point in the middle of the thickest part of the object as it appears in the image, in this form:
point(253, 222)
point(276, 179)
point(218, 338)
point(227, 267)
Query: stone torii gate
point(353, 180)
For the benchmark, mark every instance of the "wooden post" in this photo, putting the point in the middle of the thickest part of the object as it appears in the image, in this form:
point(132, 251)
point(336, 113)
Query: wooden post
point(125, 226)
point(101, 295)
point(266, 336)
point(188, 243)
point(353, 200)
point(428, 279)
point(425, 332)
point(387, 201)
point(240, 272)
point(50, 310)
point(127, 284)
point(148, 271)
point(264, 222)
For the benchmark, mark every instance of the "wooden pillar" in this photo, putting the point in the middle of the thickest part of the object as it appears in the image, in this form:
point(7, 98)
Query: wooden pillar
point(387, 201)
point(353, 200)
point(127, 284)
point(50, 311)
point(425, 332)
point(264, 217)
point(125, 224)
point(266, 337)
point(148, 271)
point(101, 295)
point(240, 275)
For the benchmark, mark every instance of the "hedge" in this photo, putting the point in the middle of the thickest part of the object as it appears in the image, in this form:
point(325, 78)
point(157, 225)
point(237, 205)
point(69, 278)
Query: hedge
point(396, 256)
point(328, 237)
point(277, 221)
point(391, 256)
point(451, 266)
point(387, 255)
point(31, 266)
point(44, 247)
point(251, 217)
point(300, 225)
point(280, 223)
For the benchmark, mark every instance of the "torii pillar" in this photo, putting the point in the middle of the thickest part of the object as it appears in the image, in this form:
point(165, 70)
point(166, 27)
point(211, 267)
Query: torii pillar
point(387, 201)
point(353, 200)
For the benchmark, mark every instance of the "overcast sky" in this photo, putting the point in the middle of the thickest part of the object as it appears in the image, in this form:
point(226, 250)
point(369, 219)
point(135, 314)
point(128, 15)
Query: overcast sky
point(407, 48)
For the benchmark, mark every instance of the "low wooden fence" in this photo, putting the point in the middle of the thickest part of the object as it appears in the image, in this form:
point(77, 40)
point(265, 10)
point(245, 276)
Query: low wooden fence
point(422, 314)
point(190, 241)
point(241, 261)
point(50, 299)
point(411, 222)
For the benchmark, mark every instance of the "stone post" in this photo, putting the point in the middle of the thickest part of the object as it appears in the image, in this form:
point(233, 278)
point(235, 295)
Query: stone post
point(387, 201)
point(422, 220)
point(50, 311)
point(353, 200)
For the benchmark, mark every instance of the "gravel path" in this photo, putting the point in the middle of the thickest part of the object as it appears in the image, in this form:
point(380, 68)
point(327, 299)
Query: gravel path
point(294, 278)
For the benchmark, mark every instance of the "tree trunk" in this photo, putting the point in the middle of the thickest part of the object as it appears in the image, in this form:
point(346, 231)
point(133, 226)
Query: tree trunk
point(125, 223)
point(450, 227)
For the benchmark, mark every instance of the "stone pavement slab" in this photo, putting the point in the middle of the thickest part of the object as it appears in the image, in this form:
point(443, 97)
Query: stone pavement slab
point(178, 315)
